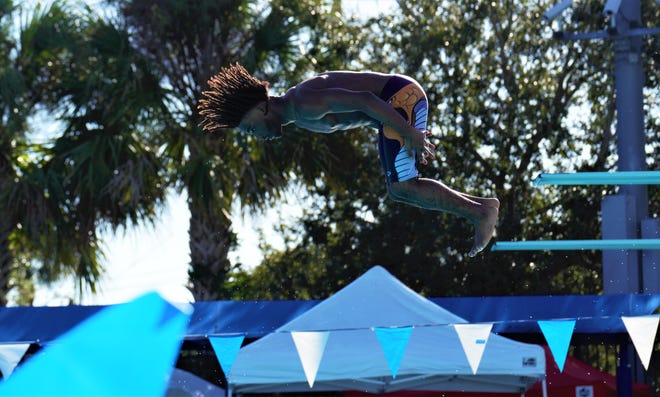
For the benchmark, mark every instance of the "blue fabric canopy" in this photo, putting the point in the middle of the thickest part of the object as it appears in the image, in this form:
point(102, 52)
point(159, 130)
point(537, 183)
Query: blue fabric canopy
point(595, 314)
point(435, 357)
point(250, 318)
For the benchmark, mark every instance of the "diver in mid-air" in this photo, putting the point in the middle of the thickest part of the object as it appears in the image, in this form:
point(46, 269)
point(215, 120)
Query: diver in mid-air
point(394, 104)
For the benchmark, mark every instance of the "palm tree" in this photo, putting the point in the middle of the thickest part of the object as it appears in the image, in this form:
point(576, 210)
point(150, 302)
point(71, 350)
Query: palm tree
point(7, 136)
point(23, 69)
point(102, 170)
point(108, 165)
point(189, 42)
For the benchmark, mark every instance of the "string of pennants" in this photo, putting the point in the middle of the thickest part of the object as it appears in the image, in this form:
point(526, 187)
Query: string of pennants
point(143, 354)
point(310, 345)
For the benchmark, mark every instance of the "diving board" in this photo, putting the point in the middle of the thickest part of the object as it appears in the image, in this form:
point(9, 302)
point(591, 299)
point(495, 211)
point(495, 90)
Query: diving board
point(576, 245)
point(600, 178)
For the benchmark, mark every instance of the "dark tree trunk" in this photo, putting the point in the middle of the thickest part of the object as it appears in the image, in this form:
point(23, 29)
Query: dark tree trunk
point(210, 241)
point(6, 258)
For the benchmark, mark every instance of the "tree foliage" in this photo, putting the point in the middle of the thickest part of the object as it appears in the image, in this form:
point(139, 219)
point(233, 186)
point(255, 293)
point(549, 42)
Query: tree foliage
point(30, 211)
point(77, 68)
point(189, 42)
point(506, 103)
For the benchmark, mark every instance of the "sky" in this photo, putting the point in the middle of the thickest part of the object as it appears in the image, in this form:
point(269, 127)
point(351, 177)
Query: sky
point(155, 256)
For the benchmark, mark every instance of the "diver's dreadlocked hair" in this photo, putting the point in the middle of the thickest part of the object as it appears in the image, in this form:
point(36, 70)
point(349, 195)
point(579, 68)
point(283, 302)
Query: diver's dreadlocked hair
point(233, 92)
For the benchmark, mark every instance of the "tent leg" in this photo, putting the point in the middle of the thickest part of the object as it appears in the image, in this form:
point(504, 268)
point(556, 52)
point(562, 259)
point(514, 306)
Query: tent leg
point(624, 371)
point(229, 390)
point(544, 386)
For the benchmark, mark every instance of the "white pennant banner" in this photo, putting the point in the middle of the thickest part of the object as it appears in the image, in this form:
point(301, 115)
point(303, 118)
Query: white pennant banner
point(642, 332)
point(10, 356)
point(473, 338)
point(310, 347)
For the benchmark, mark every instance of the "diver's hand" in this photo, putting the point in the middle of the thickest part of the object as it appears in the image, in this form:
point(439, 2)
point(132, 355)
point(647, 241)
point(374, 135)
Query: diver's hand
point(417, 143)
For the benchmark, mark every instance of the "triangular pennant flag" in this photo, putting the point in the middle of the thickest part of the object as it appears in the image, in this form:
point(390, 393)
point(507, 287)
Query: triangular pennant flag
point(10, 356)
point(126, 349)
point(226, 349)
point(310, 347)
point(394, 342)
point(642, 332)
point(473, 338)
point(558, 334)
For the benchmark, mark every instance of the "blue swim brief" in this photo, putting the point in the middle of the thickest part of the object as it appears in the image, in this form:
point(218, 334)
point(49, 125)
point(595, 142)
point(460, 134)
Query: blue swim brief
point(407, 97)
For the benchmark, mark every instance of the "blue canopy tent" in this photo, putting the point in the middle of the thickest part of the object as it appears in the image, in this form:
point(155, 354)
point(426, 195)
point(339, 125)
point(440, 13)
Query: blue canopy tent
point(353, 359)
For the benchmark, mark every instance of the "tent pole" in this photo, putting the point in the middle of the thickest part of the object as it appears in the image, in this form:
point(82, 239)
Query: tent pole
point(229, 390)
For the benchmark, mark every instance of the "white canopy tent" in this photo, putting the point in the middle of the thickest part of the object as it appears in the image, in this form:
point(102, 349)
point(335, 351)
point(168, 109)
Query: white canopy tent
point(354, 359)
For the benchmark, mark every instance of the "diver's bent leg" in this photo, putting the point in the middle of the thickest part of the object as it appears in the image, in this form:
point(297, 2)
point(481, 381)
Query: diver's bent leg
point(435, 195)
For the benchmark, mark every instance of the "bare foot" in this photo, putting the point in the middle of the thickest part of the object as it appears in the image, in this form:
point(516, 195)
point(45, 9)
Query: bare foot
point(484, 229)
